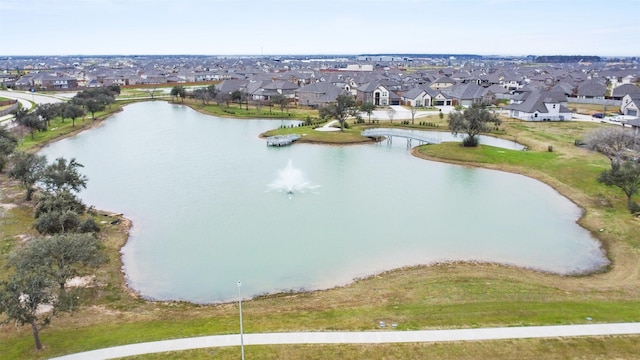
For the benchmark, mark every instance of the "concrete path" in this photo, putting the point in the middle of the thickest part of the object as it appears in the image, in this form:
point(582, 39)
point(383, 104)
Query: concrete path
point(367, 337)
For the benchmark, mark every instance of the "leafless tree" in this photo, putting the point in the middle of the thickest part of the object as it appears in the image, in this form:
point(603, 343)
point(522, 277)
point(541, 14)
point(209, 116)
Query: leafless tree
point(413, 110)
point(391, 113)
point(616, 143)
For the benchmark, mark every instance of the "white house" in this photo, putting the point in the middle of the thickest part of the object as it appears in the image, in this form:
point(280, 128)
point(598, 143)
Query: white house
point(417, 97)
point(630, 105)
point(541, 106)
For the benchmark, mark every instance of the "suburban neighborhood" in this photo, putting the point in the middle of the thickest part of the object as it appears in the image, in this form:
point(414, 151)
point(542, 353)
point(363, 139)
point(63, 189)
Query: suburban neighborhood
point(529, 90)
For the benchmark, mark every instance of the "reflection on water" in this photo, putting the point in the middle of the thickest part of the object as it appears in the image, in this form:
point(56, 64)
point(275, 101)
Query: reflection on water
point(194, 186)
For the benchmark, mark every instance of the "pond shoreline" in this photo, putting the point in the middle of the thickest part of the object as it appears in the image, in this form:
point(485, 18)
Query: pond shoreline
point(561, 188)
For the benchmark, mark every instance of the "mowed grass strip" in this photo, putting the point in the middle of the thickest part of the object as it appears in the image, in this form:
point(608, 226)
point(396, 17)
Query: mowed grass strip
point(622, 347)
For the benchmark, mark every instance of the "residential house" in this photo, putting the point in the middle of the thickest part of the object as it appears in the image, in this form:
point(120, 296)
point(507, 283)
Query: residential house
point(620, 91)
point(592, 90)
point(374, 93)
point(231, 85)
point(265, 90)
point(417, 97)
point(442, 83)
point(630, 105)
point(470, 93)
point(541, 106)
point(318, 94)
point(441, 98)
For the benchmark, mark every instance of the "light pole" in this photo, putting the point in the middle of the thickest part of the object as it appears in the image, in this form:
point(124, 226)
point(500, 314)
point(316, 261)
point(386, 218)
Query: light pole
point(241, 333)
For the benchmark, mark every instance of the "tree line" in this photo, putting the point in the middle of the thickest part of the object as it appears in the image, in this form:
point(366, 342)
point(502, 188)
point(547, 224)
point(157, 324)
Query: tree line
point(86, 101)
point(36, 287)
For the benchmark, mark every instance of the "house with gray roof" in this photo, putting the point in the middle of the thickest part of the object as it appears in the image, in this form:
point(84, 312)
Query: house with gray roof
point(592, 90)
point(541, 106)
point(417, 97)
point(375, 93)
point(442, 83)
point(620, 91)
point(231, 85)
point(318, 94)
point(470, 93)
point(630, 105)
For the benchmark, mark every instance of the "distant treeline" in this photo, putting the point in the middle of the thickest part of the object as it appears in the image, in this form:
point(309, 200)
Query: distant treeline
point(566, 58)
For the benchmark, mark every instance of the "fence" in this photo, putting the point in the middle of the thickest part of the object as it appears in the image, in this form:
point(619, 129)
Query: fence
point(10, 109)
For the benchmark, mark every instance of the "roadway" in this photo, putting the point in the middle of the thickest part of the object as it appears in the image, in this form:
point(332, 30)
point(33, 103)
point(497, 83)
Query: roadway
point(28, 100)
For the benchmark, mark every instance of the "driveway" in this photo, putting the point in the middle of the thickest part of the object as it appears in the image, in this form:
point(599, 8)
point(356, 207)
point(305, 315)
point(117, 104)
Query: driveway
point(403, 113)
point(362, 337)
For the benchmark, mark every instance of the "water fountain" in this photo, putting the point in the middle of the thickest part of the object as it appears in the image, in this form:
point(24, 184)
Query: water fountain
point(291, 180)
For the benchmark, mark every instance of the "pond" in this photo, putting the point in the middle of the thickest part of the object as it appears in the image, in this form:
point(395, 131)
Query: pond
point(211, 206)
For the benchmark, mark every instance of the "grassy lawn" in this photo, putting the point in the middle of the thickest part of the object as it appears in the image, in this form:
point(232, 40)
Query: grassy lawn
point(623, 347)
point(447, 295)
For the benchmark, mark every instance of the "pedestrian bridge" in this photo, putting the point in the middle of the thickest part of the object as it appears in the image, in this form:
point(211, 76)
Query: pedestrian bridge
point(423, 137)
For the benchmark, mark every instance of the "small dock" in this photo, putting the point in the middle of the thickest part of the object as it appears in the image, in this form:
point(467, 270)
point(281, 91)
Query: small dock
point(282, 140)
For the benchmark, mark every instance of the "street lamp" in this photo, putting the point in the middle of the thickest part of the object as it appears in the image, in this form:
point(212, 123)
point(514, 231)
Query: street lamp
point(241, 333)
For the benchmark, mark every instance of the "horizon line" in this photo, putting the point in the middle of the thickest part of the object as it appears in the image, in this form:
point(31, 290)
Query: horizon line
point(323, 55)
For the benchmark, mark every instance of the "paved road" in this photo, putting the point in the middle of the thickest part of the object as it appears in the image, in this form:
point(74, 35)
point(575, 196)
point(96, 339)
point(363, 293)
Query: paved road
point(27, 99)
point(367, 337)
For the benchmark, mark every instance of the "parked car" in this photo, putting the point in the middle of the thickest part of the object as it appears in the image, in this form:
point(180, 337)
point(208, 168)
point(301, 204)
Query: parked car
point(598, 115)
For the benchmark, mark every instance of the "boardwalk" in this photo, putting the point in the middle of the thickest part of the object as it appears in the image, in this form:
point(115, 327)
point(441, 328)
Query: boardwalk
point(282, 140)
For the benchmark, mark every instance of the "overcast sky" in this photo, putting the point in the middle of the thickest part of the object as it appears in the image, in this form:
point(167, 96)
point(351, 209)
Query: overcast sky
point(292, 27)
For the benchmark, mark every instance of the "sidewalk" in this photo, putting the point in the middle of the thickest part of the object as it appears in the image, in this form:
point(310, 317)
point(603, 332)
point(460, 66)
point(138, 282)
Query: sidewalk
point(365, 337)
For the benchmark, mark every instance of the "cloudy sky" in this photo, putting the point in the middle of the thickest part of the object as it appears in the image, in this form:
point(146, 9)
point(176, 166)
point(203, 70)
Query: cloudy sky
point(290, 27)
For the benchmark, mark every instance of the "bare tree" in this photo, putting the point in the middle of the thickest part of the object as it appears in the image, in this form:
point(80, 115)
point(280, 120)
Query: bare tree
point(391, 113)
point(616, 143)
point(413, 110)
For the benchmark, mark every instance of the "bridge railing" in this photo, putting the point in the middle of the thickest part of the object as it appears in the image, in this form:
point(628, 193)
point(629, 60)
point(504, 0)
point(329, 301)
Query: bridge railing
point(409, 134)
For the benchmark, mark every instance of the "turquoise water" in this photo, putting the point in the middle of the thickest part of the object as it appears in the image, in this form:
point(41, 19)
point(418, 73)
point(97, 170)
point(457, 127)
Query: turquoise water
point(199, 190)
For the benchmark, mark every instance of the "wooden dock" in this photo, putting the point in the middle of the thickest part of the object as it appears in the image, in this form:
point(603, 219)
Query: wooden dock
point(282, 140)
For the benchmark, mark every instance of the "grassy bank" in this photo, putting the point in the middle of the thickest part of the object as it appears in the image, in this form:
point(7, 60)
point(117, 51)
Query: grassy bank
point(448, 295)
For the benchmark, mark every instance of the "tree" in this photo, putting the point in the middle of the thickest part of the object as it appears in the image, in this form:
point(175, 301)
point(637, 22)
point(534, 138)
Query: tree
point(367, 108)
point(8, 143)
point(42, 268)
point(344, 107)
point(46, 112)
point(72, 111)
point(63, 175)
point(391, 113)
point(93, 106)
point(625, 176)
point(236, 96)
point(61, 212)
point(63, 200)
point(413, 110)
point(213, 92)
point(22, 296)
point(281, 101)
point(472, 121)
point(27, 168)
point(202, 95)
point(151, 91)
point(32, 122)
point(615, 143)
point(60, 258)
point(178, 91)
